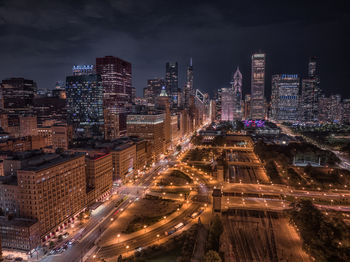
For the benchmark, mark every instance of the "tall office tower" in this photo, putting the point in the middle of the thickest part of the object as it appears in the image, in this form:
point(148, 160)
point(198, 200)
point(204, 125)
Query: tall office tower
point(83, 70)
point(324, 105)
point(336, 110)
point(150, 128)
point(258, 86)
point(227, 104)
point(310, 93)
point(212, 110)
point(171, 79)
point(163, 103)
point(237, 92)
point(346, 111)
point(85, 104)
point(284, 97)
point(189, 85)
point(116, 81)
point(153, 89)
point(17, 94)
point(218, 105)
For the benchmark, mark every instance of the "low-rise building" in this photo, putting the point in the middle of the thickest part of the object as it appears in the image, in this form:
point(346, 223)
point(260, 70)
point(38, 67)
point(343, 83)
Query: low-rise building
point(19, 233)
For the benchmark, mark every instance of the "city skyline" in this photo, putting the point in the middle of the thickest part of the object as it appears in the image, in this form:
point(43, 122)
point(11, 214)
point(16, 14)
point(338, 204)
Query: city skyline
point(174, 131)
point(48, 59)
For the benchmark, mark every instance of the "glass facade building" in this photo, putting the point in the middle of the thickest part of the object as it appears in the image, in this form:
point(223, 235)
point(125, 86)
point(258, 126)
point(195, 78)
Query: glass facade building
point(284, 97)
point(172, 78)
point(85, 104)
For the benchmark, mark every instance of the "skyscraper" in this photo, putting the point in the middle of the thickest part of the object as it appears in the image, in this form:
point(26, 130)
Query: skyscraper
point(153, 89)
point(171, 79)
point(85, 104)
point(310, 94)
point(189, 85)
point(227, 104)
point(284, 97)
point(116, 81)
point(237, 93)
point(258, 86)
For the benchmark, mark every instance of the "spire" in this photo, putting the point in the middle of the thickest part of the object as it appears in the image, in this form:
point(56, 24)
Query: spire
point(163, 92)
point(191, 62)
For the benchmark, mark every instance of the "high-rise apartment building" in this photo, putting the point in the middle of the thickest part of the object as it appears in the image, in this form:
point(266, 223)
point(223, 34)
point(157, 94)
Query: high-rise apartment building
point(117, 84)
point(85, 104)
point(237, 93)
point(284, 97)
point(17, 93)
point(310, 93)
point(258, 86)
point(171, 79)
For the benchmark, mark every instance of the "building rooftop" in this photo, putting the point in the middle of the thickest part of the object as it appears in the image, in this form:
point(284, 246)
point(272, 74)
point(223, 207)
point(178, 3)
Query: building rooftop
point(17, 222)
point(45, 161)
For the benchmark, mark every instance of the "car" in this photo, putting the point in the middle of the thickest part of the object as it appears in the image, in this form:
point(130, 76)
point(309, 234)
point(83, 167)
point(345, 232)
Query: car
point(138, 249)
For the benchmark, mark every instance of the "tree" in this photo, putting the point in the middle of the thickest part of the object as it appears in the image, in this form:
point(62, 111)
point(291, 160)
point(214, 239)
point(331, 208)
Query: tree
point(178, 148)
point(215, 232)
point(212, 256)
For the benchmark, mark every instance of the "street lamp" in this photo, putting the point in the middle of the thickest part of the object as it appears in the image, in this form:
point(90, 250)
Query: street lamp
point(118, 236)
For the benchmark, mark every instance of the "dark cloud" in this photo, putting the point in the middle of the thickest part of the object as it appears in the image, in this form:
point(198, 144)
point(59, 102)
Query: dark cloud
point(42, 39)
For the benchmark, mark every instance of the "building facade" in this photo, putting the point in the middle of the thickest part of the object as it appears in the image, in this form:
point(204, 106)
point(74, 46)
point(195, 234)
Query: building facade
point(150, 128)
point(285, 97)
point(310, 94)
point(85, 105)
point(171, 79)
point(237, 94)
point(227, 104)
point(257, 86)
point(117, 84)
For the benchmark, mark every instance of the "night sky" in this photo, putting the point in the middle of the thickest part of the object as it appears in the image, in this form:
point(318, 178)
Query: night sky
point(41, 40)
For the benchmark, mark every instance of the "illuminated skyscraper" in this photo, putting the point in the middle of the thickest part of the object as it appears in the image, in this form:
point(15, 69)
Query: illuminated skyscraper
point(189, 85)
point(310, 94)
point(153, 89)
point(116, 81)
point(284, 97)
point(237, 93)
point(171, 79)
point(85, 104)
point(258, 86)
point(227, 104)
